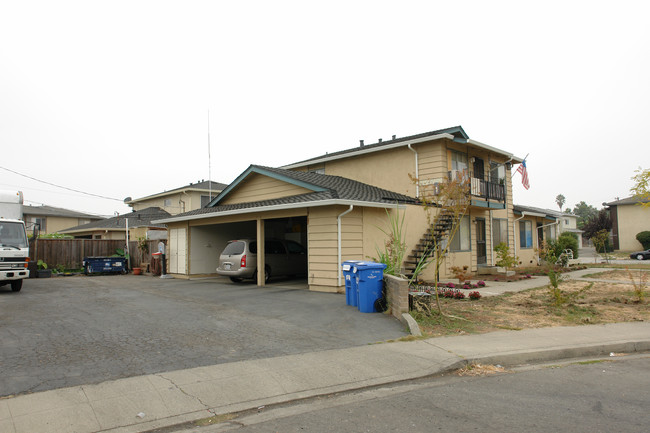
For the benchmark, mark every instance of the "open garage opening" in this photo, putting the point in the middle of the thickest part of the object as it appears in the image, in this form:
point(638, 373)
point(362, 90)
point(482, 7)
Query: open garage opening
point(208, 242)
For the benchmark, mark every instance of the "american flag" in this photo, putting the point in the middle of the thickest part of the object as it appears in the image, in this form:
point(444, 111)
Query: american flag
point(524, 174)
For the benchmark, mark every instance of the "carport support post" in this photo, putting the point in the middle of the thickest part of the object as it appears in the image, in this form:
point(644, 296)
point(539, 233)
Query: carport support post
point(260, 252)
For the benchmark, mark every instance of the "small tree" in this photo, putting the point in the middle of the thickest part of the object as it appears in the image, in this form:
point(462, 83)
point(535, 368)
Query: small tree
point(445, 204)
point(600, 222)
point(584, 212)
point(641, 188)
point(504, 258)
point(600, 240)
point(560, 200)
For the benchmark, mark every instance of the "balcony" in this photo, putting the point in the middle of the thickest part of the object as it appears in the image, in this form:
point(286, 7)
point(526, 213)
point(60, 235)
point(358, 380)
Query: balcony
point(491, 189)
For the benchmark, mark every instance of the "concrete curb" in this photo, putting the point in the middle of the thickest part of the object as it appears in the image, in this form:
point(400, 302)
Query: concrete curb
point(511, 359)
point(178, 397)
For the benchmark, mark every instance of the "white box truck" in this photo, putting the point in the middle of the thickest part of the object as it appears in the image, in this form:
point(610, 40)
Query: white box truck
point(14, 248)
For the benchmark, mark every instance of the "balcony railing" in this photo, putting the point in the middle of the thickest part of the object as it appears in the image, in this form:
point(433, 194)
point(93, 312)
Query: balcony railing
point(492, 189)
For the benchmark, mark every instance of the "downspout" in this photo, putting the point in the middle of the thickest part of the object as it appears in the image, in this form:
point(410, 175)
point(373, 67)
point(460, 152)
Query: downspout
point(550, 224)
point(338, 221)
point(417, 172)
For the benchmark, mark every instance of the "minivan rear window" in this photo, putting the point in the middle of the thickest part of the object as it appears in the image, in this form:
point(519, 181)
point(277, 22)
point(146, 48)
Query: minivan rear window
point(234, 248)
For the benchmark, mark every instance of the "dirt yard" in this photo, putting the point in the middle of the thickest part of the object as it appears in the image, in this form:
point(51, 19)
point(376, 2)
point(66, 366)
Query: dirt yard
point(576, 303)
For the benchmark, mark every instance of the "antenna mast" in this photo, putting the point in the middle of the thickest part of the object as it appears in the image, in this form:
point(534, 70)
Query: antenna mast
point(209, 164)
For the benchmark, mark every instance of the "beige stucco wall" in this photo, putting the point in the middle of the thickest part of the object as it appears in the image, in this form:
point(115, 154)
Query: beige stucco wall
point(632, 219)
point(259, 187)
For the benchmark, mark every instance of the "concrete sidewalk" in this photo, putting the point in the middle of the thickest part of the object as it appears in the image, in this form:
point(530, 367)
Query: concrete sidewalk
point(147, 402)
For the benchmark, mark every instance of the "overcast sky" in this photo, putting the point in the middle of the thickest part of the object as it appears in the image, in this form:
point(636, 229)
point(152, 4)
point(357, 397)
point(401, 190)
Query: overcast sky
point(112, 97)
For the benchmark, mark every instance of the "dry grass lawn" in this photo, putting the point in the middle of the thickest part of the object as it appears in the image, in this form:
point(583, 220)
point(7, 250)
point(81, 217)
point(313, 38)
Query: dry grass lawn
point(584, 303)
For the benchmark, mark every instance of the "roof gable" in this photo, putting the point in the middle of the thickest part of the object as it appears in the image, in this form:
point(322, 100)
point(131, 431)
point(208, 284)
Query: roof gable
point(142, 218)
point(251, 171)
point(203, 186)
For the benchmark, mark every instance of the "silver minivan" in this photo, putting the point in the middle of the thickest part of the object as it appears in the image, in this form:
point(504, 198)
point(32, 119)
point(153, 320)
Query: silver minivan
point(282, 257)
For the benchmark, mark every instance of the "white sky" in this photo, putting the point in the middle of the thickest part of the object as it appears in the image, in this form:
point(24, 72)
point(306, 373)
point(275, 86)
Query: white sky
point(112, 97)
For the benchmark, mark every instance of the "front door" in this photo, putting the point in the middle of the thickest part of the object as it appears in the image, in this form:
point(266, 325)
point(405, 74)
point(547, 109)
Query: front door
point(481, 251)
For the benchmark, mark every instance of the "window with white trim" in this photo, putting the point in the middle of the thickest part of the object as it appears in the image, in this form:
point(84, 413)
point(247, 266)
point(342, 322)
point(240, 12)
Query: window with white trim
point(461, 241)
point(499, 232)
point(525, 234)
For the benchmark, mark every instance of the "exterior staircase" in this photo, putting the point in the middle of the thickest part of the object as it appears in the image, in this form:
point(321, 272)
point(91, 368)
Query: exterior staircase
point(438, 231)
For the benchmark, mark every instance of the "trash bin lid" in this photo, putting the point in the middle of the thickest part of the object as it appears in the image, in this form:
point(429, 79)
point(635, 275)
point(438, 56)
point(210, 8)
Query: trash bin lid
point(370, 265)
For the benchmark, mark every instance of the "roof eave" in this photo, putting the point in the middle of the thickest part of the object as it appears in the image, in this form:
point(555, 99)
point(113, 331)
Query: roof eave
point(331, 202)
point(513, 158)
point(361, 151)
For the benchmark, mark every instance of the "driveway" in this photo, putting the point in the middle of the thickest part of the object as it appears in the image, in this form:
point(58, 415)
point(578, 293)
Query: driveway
point(68, 331)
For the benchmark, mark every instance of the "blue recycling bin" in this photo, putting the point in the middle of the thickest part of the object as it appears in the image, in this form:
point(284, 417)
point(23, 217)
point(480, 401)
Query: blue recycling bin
point(370, 278)
point(351, 292)
point(104, 264)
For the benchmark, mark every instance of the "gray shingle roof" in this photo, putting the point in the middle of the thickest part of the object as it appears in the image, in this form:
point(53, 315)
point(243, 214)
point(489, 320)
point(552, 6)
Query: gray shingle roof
point(456, 131)
point(140, 218)
point(45, 210)
point(624, 201)
point(328, 188)
point(203, 185)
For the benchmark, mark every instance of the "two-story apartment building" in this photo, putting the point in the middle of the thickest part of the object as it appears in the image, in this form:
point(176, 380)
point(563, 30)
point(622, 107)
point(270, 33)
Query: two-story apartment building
point(179, 200)
point(336, 204)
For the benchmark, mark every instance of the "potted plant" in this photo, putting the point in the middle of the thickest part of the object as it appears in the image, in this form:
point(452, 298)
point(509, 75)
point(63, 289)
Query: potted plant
point(43, 271)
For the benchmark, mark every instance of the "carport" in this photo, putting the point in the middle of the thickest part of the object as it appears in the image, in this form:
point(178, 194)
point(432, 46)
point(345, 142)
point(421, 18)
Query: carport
point(208, 238)
point(333, 217)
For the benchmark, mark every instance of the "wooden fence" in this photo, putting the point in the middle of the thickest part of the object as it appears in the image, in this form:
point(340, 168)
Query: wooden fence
point(70, 253)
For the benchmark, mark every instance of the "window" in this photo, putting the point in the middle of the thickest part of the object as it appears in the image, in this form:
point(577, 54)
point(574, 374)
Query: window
point(42, 226)
point(497, 172)
point(458, 161)
point(205, 199)
point(566, 222)
point(499, 232)
point(167, 202)
point(525, 234)
point(461, 241)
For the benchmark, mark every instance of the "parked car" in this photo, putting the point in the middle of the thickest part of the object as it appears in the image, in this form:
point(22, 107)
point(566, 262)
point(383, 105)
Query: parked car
point(282, 257)
point(641, 255)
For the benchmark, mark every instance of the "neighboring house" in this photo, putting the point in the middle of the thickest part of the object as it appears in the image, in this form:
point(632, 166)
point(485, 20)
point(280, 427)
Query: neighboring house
point(50, 219)
point(179, 200)
point(534, 226)
point(569, 223)
point(628, 219)
point(337, 205)
point(139, 225)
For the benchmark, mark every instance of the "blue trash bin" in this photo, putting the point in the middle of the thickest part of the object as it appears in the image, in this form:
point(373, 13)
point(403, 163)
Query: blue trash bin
point(351, 291)
point(370, 278)
point(104, 264)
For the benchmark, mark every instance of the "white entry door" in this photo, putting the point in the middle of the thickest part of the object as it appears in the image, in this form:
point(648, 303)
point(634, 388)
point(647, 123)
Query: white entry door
point(177, 251)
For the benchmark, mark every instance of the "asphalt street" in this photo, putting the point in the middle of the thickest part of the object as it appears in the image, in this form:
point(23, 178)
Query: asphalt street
point(68, 331)
point(607, 395)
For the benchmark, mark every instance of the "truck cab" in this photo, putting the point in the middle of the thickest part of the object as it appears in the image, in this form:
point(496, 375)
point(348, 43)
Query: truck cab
point(14, 247)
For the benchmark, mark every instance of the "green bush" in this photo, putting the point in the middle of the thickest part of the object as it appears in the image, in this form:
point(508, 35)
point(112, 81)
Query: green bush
point(568, 241)
point(644, 238)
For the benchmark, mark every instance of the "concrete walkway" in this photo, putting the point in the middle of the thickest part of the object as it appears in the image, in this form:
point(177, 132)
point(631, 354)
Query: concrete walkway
point(153, 401)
